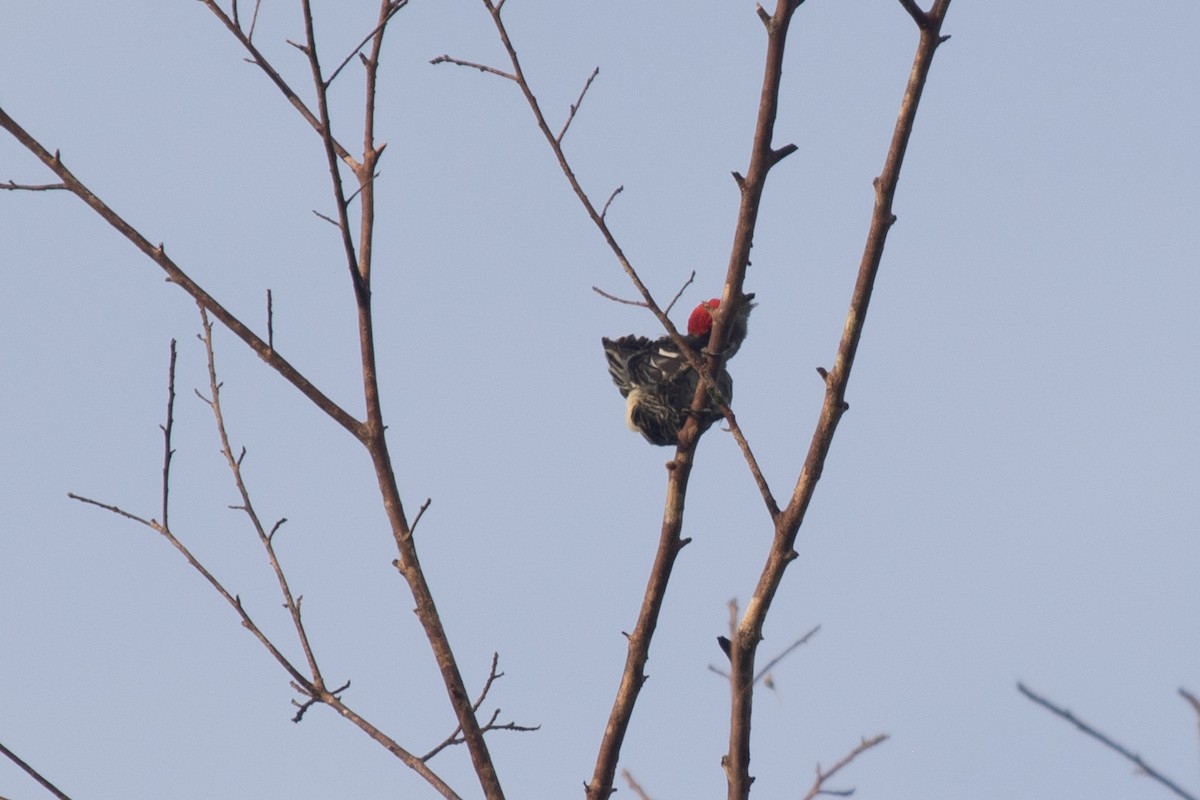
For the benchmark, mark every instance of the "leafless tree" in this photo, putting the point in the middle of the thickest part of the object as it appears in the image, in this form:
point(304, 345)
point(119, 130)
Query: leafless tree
point(353, 185)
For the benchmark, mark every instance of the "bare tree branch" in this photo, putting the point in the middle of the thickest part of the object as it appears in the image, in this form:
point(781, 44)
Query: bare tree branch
point(34, 187)
point(265, 539)
point(258, 59)
point(1146, 769)
point(634, 786)
point(166, 429)
point(616, 299)
point(176, 275)
point(1192, 700)
point(818, 786)
point(575, 107)
point(393, 7)
point(786, 652)
point(914, 11)
point(608, 202)
point(679, 294)
point(788, 522)
point(443, 59)
point(491, 725)
point(33, 773)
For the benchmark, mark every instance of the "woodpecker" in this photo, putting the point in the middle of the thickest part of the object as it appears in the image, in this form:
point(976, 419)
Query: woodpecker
point(657, 382)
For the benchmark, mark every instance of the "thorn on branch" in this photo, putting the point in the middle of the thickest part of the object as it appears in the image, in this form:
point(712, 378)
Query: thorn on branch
point(763, 15)
point(302, 48)
point(944, 38)
point(739, 180)
point(270, 322)
point(824, 373)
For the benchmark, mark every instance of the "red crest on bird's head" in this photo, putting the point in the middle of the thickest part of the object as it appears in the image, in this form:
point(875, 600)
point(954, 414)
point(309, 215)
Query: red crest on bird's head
point(700, 322)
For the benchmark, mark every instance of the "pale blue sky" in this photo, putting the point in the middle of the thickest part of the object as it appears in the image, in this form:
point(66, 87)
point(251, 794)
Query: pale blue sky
point(1012, 496)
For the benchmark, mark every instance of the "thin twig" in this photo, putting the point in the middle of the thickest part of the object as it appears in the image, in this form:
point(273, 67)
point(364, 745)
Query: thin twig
point(575, 106)
point(395, 6)
point(679, 294)
point(33, 773)
point(1193, 700)
point(253, 20)
point(615, 299)
point(634, 786)
point(176, 275)
point(247, 506)
point(166, 429)
point(259, 60)
point(818, 786)
point(412, 529)
point(490, 725)
point(1107, 742)
point(331, 156)
point(788, 651)
point(445, 59)
point(608, 202)
point(34, 187)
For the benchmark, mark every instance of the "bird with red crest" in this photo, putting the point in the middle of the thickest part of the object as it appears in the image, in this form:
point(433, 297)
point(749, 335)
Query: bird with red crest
point(657, 381)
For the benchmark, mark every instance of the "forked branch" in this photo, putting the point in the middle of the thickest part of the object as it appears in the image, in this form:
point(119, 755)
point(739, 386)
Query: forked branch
point(788, 522)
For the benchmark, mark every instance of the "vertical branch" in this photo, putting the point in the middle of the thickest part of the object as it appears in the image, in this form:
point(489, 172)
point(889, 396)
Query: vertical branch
point(633, 676)
point(325, 130)
point(749, 632)
point(166, 429)
point(374, 430)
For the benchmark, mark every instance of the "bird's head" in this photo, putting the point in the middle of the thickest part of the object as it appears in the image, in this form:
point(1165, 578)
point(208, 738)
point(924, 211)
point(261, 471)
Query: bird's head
point(701, 320)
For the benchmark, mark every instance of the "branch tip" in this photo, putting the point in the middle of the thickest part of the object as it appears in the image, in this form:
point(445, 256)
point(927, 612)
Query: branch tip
point(782, 153)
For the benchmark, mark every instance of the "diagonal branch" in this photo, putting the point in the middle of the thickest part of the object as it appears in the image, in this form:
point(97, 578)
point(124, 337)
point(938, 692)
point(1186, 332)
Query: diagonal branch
point(818, 786)
point(257, 58)
point(33, 773)
point(267, 540)
point(177, 276)
point(575, 110)
point(389, 12)
point(1146, 769)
